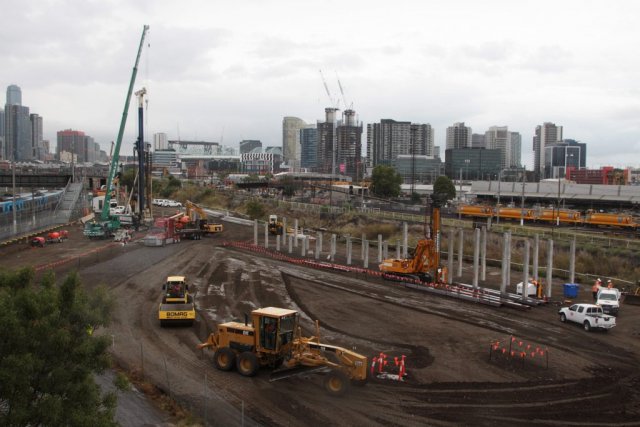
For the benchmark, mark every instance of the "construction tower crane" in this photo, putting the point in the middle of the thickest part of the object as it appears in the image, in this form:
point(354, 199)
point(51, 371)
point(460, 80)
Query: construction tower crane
point(344, 100)
point(106, 225)
point(326, 87)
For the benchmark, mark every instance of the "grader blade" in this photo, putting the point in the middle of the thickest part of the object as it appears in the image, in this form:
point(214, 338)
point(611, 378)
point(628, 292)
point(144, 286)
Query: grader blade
point(297, 371)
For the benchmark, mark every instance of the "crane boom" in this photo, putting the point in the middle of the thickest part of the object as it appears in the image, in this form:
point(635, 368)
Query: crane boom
point(116, 151)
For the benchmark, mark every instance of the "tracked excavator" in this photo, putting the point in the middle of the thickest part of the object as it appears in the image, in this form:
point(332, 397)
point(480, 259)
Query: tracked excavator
point(425, 263)
point(274, 339)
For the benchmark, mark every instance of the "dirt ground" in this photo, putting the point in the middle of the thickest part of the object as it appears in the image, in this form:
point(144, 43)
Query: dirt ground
point(569, 376)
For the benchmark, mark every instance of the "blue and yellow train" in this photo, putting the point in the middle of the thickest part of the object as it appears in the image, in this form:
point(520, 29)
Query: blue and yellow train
point(30, 202)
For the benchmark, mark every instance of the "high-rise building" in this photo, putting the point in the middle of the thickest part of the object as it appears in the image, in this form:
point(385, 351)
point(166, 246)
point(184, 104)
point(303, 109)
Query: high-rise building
point(71, 141)
point(499, 138)
point(160, 141)
point(516, 150)
point(583, 151)
point(17, 128)
point(291, 140)
point(560, 158)
point(349, 152)
point(2, 147)
point(14, 95)
point(248, 145)
point(390, 138)
point(309, 148)
point(459, 136)
point(472, 164)
point(386, 140)
point(546, 134)
point(477, 140)
point(326, 163)
point(421, 143)
point(37, 147)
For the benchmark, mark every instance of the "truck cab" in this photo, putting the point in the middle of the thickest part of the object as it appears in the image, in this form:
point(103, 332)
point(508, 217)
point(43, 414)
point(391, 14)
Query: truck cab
point(609, 300)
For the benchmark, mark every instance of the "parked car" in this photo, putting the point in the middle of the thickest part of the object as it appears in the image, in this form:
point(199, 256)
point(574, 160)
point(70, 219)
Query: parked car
point(590, 316)
point(172, 204)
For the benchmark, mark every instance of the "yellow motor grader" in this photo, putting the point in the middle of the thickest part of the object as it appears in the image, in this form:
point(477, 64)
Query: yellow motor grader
point(274, 340)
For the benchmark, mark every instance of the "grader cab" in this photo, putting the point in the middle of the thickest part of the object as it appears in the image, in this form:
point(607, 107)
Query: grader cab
point(274, 340)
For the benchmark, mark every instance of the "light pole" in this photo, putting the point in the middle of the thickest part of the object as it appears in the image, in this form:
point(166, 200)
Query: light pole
point(524, 177)
point(498, 205)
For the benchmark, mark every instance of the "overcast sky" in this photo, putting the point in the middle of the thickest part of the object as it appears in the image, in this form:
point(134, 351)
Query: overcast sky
point(231, 70)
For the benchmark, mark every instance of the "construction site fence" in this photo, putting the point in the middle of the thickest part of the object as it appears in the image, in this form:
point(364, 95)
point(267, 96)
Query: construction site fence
point(212, 407)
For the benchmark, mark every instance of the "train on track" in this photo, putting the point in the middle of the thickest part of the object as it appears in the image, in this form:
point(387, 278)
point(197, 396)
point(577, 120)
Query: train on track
point(551, 216)
point(30, 202)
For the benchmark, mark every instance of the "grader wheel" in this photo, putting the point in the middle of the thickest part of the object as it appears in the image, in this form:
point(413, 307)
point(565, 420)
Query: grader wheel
point(224, 359)
point(336, 383)
point(247, 364)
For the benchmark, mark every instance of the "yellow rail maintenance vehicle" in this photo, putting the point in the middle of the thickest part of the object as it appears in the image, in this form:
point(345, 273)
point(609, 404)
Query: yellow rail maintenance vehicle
point(274, 340)
point(177, 307)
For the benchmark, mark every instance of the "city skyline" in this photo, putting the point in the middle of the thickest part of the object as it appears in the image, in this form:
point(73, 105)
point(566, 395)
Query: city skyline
point(232, 73)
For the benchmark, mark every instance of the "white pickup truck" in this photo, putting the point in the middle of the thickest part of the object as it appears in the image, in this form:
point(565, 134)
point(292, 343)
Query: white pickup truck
point(590, 316)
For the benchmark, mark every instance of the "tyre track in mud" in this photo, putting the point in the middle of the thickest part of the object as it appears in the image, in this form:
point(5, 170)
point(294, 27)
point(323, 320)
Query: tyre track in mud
point(598, 392)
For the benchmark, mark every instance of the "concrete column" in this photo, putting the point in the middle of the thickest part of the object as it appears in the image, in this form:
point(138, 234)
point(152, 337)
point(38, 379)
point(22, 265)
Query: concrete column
point(549, 268)
point(525, 269)
point(319, 245)
point(505, 257)
point(295, 233)
point(278, 243)
point(348, 250)
point(536, 248)
point(397, 249)
point(303, 248)
point(290, 243)
point(284, 230)
point(452, 238)
point(460, 250)
point(364, 237)
point(255, 232)
point(483, 255)
point(333, 247)
point(366, 255)
point(572, 262)
point(385, 250)
point(405, 241)
point(379, 248)
point(476, 256)
point(266, 235)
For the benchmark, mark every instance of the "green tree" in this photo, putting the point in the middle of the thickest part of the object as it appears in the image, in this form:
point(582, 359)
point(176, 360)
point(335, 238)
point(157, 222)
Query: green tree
point(443, 185)
point(288, 186)
point(385, 181)
point(49, 352)
point(255, 209)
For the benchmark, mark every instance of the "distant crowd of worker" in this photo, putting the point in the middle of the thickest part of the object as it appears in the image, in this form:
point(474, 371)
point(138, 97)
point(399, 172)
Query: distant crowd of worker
point(597, 285)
